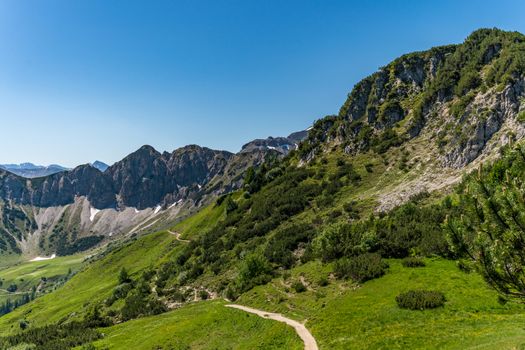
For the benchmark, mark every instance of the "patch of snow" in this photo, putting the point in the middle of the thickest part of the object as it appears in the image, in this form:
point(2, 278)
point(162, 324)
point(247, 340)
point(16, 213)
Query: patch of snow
point(157, 209)
point(93, 212)
point(110, 234)
point(176, 203)
point(271, 147)
point(310, 128)
point(42, 258)
point(136, 211)
point(199, 186)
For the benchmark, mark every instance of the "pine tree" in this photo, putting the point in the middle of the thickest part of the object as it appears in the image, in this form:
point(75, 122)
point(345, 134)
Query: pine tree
point(489, 224)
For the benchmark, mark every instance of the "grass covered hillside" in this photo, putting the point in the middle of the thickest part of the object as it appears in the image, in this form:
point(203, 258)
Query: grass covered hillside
point(27, 280)
point(368, 234)
point(203, 325)
point(91, 285)
point(349, 315)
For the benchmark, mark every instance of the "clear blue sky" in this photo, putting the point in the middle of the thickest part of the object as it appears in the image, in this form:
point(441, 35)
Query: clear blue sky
point(96, 79)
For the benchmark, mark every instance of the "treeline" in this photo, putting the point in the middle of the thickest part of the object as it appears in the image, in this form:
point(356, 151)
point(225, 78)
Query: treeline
point(60, 336)
point(9, 305)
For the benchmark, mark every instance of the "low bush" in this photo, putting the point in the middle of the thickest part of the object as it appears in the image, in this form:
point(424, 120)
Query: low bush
point(465, 266)
point(299, 287)
point(323, 282)
point(203, 295)
point(420, 299)
point(413, 262)
point(361, 268)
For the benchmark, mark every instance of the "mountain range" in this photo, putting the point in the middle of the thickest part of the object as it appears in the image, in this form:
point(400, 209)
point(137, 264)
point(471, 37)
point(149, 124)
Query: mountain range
point(31, 170)
point(144, 179)
point(395, 223)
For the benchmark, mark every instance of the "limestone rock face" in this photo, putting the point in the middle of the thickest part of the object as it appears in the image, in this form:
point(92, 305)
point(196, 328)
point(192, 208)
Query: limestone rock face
point(458, 96)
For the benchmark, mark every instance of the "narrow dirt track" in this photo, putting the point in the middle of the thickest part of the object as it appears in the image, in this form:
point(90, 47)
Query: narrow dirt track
point(304, 334)
point(177, 237)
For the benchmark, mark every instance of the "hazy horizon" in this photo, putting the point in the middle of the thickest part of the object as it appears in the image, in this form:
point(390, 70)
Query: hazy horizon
point(95, 80)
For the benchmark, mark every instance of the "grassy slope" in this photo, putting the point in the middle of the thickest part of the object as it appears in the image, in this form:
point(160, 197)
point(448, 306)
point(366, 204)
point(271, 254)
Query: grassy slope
point(342, 316)
point(8, 260)
point(203, 325)
point(203, 220)
point(93, 284)
point(28, 274)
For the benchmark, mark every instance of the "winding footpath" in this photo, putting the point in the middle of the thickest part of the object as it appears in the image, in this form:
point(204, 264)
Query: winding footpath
point(300, 329)
point(177, 237)
point(307, 337)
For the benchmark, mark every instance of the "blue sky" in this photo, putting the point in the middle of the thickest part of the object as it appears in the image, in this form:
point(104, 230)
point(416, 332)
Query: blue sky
point(96, 79)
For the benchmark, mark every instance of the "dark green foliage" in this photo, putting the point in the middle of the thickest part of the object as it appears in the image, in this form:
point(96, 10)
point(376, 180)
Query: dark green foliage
point(488, 225)
point(221, 198)
point(323, 282)
point(59, 336)
point(413, 262)
point(282, 244)
point(299, 287)
point(412, 227)
point(123, 276)
point(55, 337)
point(459, 107)
point(203, 295)
point(351, 210)
point(360, 268)
point(231, 205)
point(420, 300)
point(16, 222)
point(254, 270)
point(390, 110)
point(406, 229)
point(9, 305)
point(470, 80)
point(465, 266)
point(140, 304)
point(388, 138)
point(284, 196)
point(79, 245)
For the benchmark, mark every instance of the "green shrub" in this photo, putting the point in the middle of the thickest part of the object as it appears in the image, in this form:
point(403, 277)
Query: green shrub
point(413, 262)
point(254, 270)
point(123, 276)
point(420, 299)
point(299, 287)
point(361, 268)
point(323, 282)
point(465, 266)
point(203, 295)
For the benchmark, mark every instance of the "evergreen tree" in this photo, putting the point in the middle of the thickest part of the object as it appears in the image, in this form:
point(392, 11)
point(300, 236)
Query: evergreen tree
point(489, 224)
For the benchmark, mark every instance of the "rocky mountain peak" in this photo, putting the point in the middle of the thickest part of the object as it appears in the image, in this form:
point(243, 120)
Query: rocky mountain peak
point(458, 96)
point(100, 165)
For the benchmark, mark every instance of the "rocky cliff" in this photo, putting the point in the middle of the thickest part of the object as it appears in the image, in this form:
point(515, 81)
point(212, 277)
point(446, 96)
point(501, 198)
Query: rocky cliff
point(460, 95)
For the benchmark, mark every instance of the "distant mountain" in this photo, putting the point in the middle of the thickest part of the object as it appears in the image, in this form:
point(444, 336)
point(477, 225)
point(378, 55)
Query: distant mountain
point(280, 144)
point(30, 170)
point(100, 165)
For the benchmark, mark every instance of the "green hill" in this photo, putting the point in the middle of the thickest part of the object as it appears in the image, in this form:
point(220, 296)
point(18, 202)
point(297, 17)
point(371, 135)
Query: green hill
point(350, 234)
